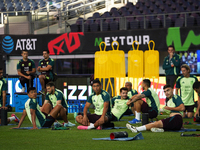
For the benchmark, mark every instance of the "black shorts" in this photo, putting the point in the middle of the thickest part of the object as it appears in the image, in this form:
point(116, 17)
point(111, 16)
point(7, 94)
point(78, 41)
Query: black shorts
point(189, 108)
point(172, 123)
point(146, 109)
point(113, 118)
point(93, 117)
point(49, 120)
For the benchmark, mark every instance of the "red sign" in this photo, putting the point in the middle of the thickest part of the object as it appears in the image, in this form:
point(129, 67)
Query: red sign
point(67, 39)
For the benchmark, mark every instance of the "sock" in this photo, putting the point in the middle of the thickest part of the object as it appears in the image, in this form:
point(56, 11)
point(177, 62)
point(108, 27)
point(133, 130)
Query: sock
point(141, 128)
point(137, 115)
point(91, 126)
point(11, 118)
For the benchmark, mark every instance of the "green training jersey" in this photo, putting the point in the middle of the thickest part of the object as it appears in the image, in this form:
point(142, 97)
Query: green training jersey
point(3, 87)
point(58, 95)
point(175, 101)
point(40, 117)
point(186, 89)
point(98, 102)
point(119, 106)
point(43, 64)
point(132, 92)
point(152, 99)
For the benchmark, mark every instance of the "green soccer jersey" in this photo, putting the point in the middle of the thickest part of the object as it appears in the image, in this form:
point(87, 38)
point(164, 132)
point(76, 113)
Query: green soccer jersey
point(40, 117)
point(152, 99)
point(3, 87)
point(119, 106)
point(186, 89)
point(58, 95)
point(175, 101)
point(132, 92)
point(98, 102)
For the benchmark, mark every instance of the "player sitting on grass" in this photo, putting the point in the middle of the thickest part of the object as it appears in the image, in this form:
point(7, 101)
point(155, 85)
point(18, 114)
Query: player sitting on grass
point(151, 106)
point(53, 98)
point(119, 105)
point(38, 118)
point(101, 100)
point(3, 89)
point(174, 106)
point(196, 87)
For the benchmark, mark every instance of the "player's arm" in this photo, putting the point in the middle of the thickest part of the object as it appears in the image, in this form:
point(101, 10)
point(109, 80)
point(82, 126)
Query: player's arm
point(181, 107)
point(176, 61)
point(58, 102)
point(22, 119)
point(136, 98)
point(21, 74)
point(85, 118)
point(31, 72)
point(33, 118)
point(47, 68)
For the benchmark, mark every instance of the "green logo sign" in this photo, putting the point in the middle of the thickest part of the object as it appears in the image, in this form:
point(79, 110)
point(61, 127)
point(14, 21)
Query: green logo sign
point(174, 36)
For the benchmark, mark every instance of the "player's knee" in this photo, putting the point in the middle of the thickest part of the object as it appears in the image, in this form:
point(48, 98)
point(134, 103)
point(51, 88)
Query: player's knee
point(41, 76)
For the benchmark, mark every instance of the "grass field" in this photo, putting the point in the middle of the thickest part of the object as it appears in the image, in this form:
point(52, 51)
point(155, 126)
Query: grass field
point(75, 139)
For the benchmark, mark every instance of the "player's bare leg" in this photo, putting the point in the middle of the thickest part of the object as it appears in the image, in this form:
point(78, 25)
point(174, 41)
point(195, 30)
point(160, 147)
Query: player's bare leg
point(46, 108)
point(99, 123)
point(79, 120)
point(42, 81)
point(190, 114)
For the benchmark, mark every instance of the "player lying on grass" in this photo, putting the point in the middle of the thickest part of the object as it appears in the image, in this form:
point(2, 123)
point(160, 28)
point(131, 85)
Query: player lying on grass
point(38, 118)
point(53, 98)
point(3, 89)
point(196, 87)
point(151, 106)
point(120, 105)
point(101, 100)
point(174, 106)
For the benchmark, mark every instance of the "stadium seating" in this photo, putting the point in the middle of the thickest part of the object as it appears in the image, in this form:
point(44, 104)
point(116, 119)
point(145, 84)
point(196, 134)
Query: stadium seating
point(148, 14)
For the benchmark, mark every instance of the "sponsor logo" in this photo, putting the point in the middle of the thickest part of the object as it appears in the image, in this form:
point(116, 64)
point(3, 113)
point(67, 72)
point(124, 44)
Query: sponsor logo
point(25, 44)
point(67, 38)
point(123, 40)
point(8, 44)
point(174, 37)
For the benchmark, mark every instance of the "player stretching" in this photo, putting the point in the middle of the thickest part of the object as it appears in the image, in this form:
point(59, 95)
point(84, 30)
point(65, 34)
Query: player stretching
point(174, 106)
point(151, 106)
point(184, 83)
point(38, 118)
point(101, 100)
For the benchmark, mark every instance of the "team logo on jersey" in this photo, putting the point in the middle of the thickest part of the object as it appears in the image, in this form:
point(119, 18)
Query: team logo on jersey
point(29, 64)
point(8, 44)
point(71, 40)
point(47, 63)
point(22, 65)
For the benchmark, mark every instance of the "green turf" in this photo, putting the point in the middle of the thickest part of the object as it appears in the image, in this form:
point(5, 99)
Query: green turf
point(75, 139)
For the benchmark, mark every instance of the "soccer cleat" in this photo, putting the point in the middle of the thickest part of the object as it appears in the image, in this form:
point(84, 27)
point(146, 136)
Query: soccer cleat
point(42, 92)
point(23, 89)
point(132, 128)
point(57, 124)
point(82, 127)
point(157, 130)
point(69, 124)
point(134, 121)
point(16, 118)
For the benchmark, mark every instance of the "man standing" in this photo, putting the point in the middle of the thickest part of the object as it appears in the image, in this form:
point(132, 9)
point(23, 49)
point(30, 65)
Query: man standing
point(185, 84)
point(174, 106)
point(3, 89)
point(26, 70)
point(46, 67)
point(101, 100)
point(151, 106)
point(171, 66)
point(38, 118)
point(53, 98)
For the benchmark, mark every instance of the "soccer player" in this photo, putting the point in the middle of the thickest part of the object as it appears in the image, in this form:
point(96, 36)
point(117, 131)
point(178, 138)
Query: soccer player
point(53, 98)
point(38, 118)
point(3, 89)
point(120, 105)
point(185, 84)
point(196, 87)
point(46, 66)
point(174, 106)
point(101, 100)
point(151, 106)
point(171, 66)
point(26, 70)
